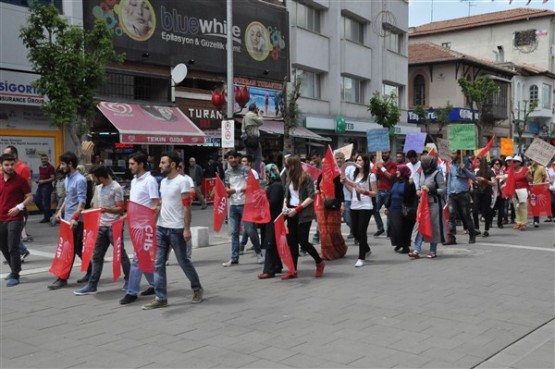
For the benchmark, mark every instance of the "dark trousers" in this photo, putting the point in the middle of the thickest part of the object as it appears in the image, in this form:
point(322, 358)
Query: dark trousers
point(459, 203)
point(10, 235)
point(482, 205)
point(43, 200)
point(104, 239)
point(78, 245)
point(298, 235)
point(499, 207)
point(359, 227)
point(552, 204)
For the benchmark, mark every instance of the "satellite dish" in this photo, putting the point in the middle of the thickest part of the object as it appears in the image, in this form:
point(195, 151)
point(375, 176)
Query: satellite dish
point(179, 72)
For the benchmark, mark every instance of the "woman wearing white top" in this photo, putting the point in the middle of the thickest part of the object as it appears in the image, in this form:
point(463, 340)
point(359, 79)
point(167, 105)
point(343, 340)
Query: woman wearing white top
point(363, 187)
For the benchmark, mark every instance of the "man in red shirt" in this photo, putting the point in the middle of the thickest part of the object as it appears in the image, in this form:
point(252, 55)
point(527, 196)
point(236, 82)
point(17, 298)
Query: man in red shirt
point(386, 171)
point(43, 196)
point(15, 194)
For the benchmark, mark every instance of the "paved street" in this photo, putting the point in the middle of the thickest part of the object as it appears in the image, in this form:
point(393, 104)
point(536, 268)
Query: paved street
point(487, 305)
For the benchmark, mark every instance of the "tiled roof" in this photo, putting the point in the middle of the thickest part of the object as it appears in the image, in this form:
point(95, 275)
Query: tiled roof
point(480, 21)
point(429, 53)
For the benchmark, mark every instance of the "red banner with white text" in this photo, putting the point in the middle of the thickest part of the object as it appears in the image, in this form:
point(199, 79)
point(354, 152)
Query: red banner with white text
point(257, 207)
point(117, 239)
point(539, 201)
point(91, 222)
point(282, 244)
point(220, 204)
point(141, 223)
point(63, 258)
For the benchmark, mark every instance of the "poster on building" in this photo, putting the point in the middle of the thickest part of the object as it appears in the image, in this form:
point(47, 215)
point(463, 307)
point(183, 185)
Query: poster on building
point(30, 150)
point(167, 32)
point(462, 136)
point(540, 151)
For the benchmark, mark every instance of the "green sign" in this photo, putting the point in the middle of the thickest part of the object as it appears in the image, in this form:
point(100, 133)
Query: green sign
point(462, 137)
point(340, 124)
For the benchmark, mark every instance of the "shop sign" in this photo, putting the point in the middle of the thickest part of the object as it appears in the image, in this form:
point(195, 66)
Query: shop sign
point(168, 32)
point(160, 139)
point(16, 89)
point(456, 115)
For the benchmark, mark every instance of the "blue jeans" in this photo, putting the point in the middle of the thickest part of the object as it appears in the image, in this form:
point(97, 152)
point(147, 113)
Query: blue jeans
point(104, 239)
point(166, 237)
point(380, 201)
point(235, 216)
point(249, 231)
point(418, 244)
point(134, 281)
point(43, 200)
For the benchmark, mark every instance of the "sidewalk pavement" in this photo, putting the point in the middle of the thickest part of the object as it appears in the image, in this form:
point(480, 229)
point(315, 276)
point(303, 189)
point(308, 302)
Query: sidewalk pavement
point(485, 305)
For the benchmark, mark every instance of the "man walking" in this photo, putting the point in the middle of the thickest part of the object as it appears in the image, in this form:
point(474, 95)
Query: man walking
point(459, 197)
point(173, 229)
point(110, 201)
point(43, 197)
point(248, 227)
point(74, 203)
point(385, 173)
point(144, 191)
point(195, 172)
point(15, 194)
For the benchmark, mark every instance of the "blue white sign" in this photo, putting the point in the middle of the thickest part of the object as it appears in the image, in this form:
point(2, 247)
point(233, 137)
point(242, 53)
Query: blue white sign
point(378, 139)
point(457, 115)
point(16, 89)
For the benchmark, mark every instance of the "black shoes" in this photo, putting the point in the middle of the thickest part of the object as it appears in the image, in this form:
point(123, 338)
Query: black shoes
point(58, 283)
point(149, 291)
point(451, 241)
point(472, 240)
point(127, 299)
point(84, 279)
point(44, 220)
point(379, 232)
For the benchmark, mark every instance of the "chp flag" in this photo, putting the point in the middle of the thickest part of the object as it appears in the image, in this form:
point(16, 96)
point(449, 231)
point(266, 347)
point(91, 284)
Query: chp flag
point(91, 222)
point(117, 234)
point(220, 204)
point(63, 258)
point(141, 223)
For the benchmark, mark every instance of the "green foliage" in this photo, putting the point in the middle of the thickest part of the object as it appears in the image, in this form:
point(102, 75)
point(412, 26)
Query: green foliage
point(422, 114)
point(384, 109)
point(522, 122)
point(71, 63)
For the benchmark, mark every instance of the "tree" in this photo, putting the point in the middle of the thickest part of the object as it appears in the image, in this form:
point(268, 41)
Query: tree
point(71, 63)
point(289, 110)
point(479, 92)
point(520, 124)
point(442, 119)
point(385, 110)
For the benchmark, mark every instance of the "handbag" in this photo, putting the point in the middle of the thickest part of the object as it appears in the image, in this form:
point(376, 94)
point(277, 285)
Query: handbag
point(332, 204)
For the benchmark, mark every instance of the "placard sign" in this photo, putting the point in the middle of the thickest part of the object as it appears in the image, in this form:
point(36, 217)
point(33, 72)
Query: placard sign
point(507, 146)
point(443, 149)
point(462, 136)
point(346, 150)
point(540, 151)
point(414, 141)
point(378, 139)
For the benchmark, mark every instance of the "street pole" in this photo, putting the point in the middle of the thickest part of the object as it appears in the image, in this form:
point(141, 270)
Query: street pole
point(229, 9)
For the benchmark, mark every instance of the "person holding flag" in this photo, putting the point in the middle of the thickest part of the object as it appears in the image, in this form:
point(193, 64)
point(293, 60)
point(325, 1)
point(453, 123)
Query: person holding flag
point(539, 176)
point(144, 191)
point(110, 201)
point(299, 210)
point(173, 229)
point(482, 194)
point(522, 178)
point(275, 193)
point(432, 185)
point(74, 203)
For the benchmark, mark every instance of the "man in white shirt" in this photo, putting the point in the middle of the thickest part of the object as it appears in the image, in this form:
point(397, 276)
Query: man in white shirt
point(414, 166)
point(173, 229)
point(144, 191)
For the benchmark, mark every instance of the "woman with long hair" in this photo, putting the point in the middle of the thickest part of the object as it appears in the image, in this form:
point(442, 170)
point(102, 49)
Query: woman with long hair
point(275, 193)
point(483, 191)
point(363, 187)
point(299, 210)
point(401, 206)
point(497, 198)
point(522, 178)
point(432, 184)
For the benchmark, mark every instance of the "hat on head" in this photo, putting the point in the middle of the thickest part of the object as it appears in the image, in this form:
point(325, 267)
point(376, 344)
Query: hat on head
point(517, 158)
point(509, 158)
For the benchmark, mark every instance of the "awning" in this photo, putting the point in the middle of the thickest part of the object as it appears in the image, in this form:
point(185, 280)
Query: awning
point(152, 124)
point(276, 127)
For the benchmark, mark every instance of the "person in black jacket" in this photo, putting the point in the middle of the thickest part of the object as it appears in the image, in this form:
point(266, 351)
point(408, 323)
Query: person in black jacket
point(275, 193)
point(401, 206)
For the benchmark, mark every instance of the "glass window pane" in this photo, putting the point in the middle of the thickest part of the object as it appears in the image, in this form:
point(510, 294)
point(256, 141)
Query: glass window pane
point(546, 96)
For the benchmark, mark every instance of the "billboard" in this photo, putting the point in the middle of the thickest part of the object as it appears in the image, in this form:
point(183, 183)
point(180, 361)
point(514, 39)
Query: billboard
point(169, 32)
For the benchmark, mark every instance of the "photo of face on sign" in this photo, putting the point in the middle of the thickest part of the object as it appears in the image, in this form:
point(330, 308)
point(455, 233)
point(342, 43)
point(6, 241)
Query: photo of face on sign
point(137, 18)
point(257, 40)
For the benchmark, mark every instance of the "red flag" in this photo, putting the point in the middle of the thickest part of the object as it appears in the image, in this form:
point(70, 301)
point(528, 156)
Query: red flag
point(117, 234)
point(329, 172)
point(509, 190)
point(313, 171)
point(423, 217)
point(220, 204)
point(63, 259)
point(282, 244)
point(91, 222)
point(486, 148)
point(257, 207)
point(432, 152)
point(539, 201)
point(141, 222)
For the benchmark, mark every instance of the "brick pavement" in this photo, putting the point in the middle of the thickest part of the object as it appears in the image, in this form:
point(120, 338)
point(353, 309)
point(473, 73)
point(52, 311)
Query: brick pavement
point(484, 305)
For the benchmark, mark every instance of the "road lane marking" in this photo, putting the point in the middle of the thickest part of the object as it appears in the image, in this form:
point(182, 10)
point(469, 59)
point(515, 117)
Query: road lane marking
point(517, 246)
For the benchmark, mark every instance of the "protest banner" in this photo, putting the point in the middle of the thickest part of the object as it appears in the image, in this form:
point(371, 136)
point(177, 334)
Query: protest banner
point(282, 245)
point(539, 201)
point(63, 258)
point(540, 151)
point(257, 207)
point(220, 204)
point(117, 236)
point(443, 149)
point(507, 146)
point(378, 139)
point(414, 141)
point(462, 136)
point(141, 222)
point(347, 150)
point(91, 223)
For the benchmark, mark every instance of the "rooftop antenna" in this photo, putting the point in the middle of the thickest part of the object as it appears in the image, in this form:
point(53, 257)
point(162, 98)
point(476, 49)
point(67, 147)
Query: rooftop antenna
point(470, 3)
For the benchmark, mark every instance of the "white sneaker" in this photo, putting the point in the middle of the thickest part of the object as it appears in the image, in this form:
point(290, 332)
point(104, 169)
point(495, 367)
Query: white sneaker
point(359, 263)
point(230, 263)
point(260, 259)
